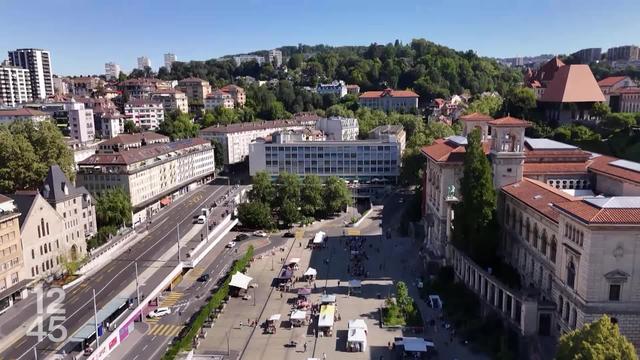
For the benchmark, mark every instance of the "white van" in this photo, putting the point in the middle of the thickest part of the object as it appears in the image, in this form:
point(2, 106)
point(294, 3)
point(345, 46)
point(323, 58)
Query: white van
point(205, 211)
point(202, 219)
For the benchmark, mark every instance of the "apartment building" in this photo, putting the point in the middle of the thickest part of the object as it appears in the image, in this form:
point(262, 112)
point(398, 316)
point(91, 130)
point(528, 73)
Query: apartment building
point(38, 62)
point(623, 53)
point(169, 59)
point(111, 70)
point(389, 100)
point(240, 59)
point(22, 114)
point(125, 142)
point(143, 62)
point(337, 88)
point(274, 57)
point(218, 98)
point(171, 99)
point(81, 121)
point(196, 89)
point(142, 88)
point(12, 283)
point(339, 128)
point(84, 85)
point(15, 85)
point(153, 175)
point(587, 56)
point(569, 222)
point(235, 138)
point(111, 125)
point(237, 94)
point(146, 114)
point(60, 85)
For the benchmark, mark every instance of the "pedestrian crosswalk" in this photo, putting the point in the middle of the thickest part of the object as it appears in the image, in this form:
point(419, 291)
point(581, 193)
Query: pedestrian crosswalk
point(195, 273)
point(171, 299)
point(164, 330)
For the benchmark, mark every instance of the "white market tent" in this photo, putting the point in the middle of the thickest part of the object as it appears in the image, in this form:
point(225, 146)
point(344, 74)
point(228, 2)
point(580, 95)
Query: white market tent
point(358, 324)
point(274, 317)
point(327, 299)
point(413, 344)
point(298, 315)
point(240, 280)
point(293, 261)
point(355, 283)
point(311, 272)
point(357, 336)
point(319, 237)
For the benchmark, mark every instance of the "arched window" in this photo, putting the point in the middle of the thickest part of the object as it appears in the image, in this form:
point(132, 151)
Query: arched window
point(528, 230)
point(571, 273)
point(553, 249)
point(560, 304)
point(543, 245)
point(535, 236)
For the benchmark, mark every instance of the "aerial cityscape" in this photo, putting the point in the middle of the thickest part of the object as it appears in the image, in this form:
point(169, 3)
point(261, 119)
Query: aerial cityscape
point(313, 180)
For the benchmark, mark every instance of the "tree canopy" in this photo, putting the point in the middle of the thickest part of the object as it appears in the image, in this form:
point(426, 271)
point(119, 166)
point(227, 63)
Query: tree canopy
point(598, 340)
point(113, 208)
point(27, 150)
point(178, 125)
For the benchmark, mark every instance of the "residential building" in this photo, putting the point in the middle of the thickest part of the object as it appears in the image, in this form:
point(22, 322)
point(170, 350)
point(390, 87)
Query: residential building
point(571, 94)
point(339, 128)
point(171, 99)
point(575, 253)
point(111, 125)
point(12, 281)
point(125, 142)
point(38, 62)
point(237, 94)
point(143, 62)
point(15, 85)
point(111, 70)
point(60, 85)
point(142, 88)
point(56, 222)
point(81, 122)
point(587, 56)
point(389, 100)
point(218, 98)
point(146, 114)
point(241, 59)
point(152, 175)
point(196, 89)
point(235, 138)
point(353, 89)
point(337, 88)
point(365, 164)
point(394, 133)
point(22, 114)
point(274, 57)
point(85, 85)
point(169, 59)
point(623, 53)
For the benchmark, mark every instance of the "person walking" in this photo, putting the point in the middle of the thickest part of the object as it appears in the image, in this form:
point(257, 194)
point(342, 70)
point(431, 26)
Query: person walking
point(305, 347)
point(324, 356)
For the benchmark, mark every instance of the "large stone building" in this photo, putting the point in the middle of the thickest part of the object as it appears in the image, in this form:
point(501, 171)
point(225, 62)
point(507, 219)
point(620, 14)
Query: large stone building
point(570, 221)
point(12, 281)
point(389, 100)
point(152, 174)
point(15, 85)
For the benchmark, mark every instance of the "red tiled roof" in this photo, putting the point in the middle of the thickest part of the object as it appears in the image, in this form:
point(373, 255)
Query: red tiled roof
point(250, 126)
point(509, 121)
point(21, 112)
point(135, 138)
point(592, 214)
point(231, 88)
point(443, 150)
point(388, 92)
point(573, 83)
point(554, 168)
point(538, 196)
point(601, 164)
point(476, 117)
point(611, 80)
point(192, 79)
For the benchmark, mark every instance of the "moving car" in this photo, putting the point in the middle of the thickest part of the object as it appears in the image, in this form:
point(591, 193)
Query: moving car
point(289, 234)
point(434, 302)
point(241, 237)
point(204, 278)
point(202, 219)
point(159, 312)
point(231, 244)
point(260, 233)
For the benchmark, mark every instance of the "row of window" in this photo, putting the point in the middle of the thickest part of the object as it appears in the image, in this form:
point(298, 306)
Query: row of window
point(330, 149)
point(7, 237)
point(9, 264)
point(46, 265)
point(537, 240)
point(573, 234)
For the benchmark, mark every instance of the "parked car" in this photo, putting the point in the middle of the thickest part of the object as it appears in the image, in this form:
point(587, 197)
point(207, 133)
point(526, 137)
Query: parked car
point(204, 278)
point(159, 312)
point(231, 244)
point(241, 237)
point(260, 233)
point(289, 234)
point(434, 302)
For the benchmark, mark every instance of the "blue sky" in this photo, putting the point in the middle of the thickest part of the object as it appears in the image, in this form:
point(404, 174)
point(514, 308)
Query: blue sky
point(84, 34)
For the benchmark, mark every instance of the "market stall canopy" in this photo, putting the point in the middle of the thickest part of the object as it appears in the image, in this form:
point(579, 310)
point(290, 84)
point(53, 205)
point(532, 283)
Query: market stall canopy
point(357, 335)
point(274, 317)
point(304, 291)
point(413, 344)
point(240, 280)
point(286, 274)
point(358, 324)
point(298, 315)
point(293, 261)
point(327, 299)
point(355, 283)
point(319, 237)
point(326, 317)
point(311, 272)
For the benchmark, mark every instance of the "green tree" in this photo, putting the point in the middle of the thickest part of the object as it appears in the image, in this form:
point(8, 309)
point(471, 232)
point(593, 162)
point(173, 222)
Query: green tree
point(617, 122)
point(336, 195)
point(412, 163)
point(598, 340)
point(122, 77)
point(130, 127)
point(287, 189)
point(113, 208)
point(519, 101)
point(255, 215)
point(339, 110)
point(404, 301)
point(178, 125)
point(600, 110)
point(219, 152)
point(27, 150)
point(311, 196)
point(262, 189)
point(476, 211)
point(288, 213)
point(488, 105)
point(295, 61)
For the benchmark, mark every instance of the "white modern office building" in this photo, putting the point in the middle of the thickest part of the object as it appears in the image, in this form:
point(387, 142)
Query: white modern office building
point(337, 88)
point(339, 128)
point(81, 124)
point(38, 62)
point(15, 85)
point(111, 70)
point(143, 62)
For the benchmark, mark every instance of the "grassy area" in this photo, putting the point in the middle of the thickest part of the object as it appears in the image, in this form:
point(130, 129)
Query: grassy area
point(188, 337)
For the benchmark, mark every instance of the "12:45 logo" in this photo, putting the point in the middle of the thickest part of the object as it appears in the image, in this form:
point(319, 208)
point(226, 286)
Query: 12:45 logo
point(55, 314)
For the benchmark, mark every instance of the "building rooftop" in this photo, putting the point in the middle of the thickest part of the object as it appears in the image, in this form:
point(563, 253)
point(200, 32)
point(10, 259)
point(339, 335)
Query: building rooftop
point(600, 210)
point(23, 201)
point(547, 144)
point(628, 90)
point(449, 151)
point(132, 156)
point(538, 196)
point(388, 92)
point(611, 80)
point(387, 129)
point(192, 80)
point(573, 83)
point(126, 139)
point(509, 121)
point(623, 169)
point(21, 112)
point(307, 119)
point(475, 117)
point(142, 102)
point(231, 88)
point(57, 187)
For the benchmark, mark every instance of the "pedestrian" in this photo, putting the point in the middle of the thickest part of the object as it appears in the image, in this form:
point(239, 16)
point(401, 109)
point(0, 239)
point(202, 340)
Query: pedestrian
point(305, 347)
point(241, 324)
point(324, 356)
point(338, 283)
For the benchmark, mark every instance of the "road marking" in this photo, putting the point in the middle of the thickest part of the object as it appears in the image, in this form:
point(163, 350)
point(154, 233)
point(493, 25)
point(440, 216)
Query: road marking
point(165, 330)
point(171, 299)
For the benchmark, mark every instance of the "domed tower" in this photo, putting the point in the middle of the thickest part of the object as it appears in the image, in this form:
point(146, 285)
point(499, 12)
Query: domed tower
point(507, 150)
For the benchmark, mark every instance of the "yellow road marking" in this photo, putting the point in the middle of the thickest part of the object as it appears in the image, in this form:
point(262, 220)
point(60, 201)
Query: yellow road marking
point(352, 232)
point(165, 330)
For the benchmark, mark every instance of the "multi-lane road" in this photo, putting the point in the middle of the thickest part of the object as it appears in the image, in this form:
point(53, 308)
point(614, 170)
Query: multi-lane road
point(119, 273)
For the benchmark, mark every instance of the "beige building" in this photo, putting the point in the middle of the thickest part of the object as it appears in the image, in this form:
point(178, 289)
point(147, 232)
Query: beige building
point(237, 94)
point(218, 98)
point(153, 175)
point(171, 99)
point(389, 100)
point(11, 257)
point(576, 253)
point(146, 114)
point(142, 88)
point(22, 114)
point(196, 89)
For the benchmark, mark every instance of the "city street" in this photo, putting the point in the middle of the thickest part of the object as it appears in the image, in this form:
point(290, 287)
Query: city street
point(117, 274)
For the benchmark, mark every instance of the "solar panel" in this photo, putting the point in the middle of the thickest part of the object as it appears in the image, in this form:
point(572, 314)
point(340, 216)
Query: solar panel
point(626, 164)
point(547, 144)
